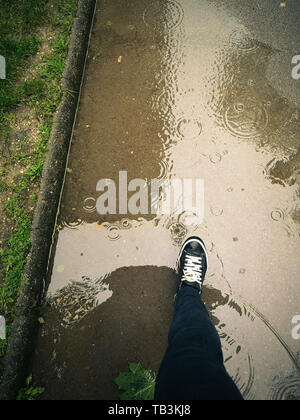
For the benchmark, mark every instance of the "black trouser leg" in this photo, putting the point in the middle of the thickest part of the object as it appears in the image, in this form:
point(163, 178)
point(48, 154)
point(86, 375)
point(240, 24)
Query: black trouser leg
point(193, 366)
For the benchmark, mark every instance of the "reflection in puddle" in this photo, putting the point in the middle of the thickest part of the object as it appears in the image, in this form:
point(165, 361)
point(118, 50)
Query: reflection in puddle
point(80, 272)
point(246, 356)
point(77, 299)
point(191, 99)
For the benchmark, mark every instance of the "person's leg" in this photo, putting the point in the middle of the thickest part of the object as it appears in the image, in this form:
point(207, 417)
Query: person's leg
point(193, 367)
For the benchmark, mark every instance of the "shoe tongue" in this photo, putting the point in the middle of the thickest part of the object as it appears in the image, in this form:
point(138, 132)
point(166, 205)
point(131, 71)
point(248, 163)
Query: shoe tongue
point(194, 249)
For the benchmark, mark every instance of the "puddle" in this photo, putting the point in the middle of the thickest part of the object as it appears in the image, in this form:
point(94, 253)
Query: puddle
point(178, 90)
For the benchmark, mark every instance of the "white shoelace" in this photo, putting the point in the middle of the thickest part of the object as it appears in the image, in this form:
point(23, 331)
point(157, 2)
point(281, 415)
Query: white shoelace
point(192, 270)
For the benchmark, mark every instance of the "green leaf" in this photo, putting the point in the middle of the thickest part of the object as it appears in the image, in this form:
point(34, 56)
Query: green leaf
point(29, 380)
point(138, 384)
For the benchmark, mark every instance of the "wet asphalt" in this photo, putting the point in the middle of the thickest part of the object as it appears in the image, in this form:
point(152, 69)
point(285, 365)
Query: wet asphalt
point(185, 89)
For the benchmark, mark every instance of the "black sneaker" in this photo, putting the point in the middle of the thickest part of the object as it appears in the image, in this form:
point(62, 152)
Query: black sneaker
point(193, 263)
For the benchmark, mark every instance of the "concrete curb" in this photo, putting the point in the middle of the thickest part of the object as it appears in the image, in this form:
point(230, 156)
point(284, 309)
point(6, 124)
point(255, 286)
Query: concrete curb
point(25, 326)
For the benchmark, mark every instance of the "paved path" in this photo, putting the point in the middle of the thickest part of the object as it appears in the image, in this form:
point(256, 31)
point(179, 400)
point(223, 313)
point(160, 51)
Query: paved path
point(186, 89)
